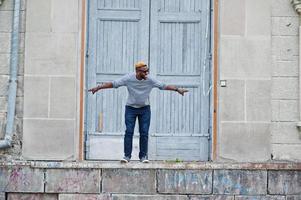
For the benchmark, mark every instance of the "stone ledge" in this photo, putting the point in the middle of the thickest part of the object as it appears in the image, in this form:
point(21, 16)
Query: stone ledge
point(155, 165)
point(168, 165)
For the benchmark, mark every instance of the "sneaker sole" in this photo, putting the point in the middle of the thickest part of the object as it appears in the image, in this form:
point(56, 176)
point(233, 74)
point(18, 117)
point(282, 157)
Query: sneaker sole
point(124, 161)
point(145, 161)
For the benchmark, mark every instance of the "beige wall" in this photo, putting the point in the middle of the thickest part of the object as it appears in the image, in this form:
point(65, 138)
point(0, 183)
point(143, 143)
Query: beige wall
point(285, 137)
point(245, 64)
point(258, 59)
point(50, 79)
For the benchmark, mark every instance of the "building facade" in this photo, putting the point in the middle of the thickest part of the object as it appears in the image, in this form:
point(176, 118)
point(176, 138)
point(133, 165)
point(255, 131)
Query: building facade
point(238, 58)
point(252, 80)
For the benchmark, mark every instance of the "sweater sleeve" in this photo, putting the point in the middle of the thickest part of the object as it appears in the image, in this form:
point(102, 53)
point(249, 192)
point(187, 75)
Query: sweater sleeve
point(158, 84)
point(121, 81)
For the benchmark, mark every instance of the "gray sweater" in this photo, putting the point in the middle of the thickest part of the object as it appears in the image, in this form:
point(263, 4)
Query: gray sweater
point(138, 90)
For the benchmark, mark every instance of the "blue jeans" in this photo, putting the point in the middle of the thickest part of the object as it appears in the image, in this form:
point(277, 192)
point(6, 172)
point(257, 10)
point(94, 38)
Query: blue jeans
point(144, 115)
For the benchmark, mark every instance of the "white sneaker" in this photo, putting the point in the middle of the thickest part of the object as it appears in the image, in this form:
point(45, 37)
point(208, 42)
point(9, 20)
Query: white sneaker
point(125, 159)
point(144, 160)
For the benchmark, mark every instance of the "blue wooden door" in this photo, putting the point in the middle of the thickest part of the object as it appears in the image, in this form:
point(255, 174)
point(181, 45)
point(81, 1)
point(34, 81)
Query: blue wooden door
point(179, 50)
point(173, 37)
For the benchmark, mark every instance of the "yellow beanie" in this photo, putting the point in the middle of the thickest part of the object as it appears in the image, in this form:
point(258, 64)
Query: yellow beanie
point(140, 64)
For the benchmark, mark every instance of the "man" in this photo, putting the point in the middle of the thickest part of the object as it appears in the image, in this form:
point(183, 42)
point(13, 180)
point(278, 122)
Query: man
point(139, 86)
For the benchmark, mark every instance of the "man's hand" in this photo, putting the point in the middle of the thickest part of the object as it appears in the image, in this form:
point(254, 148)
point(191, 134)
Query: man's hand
point(93, 90)
point(182, 91)
point(101, 87)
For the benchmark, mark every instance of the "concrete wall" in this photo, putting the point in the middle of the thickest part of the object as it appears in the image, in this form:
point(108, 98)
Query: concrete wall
point(50, 79)
point(6, 16)
point(145, 182)
point(258, 60)
point(285, 137)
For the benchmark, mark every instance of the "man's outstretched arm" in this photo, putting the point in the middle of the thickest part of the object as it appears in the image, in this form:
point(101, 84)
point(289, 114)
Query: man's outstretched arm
point(174, 88)
point(100, 87)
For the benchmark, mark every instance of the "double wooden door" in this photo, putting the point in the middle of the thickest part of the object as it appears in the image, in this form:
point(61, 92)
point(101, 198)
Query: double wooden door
point(173, 37)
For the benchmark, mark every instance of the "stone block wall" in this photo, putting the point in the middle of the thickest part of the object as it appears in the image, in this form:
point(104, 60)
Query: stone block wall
point(50, 84)
point(245, 66)
point(6, 18)
point(259, 107)
point(285, 137)
point(145, 182)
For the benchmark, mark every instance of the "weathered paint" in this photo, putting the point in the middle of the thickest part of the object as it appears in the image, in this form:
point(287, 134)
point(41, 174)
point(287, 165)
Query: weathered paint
point(267, 197)
point(149, 197)
point(21, 179)
point(185, 181)
point(293, 197)
point(245, 182)
point(211, 197)
point(32, 196)
point(81, 95)
point(85, 197)
point(72, 181)
point(284, 182)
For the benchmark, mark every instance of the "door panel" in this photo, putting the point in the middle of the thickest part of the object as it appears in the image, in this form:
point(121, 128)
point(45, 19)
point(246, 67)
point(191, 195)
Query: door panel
point(178, 115)
point(118, 37)
point(179, 52)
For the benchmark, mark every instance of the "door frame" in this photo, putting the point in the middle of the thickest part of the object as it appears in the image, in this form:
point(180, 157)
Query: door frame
point(83, 64)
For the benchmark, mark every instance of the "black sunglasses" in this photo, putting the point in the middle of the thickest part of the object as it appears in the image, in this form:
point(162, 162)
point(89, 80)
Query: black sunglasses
point(144, 71)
